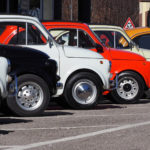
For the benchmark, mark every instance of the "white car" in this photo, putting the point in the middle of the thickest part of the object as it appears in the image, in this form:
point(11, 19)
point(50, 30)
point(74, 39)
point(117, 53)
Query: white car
point(84, 74)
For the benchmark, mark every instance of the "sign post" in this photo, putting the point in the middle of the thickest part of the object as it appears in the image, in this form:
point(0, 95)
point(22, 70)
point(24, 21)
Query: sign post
point(129, 24)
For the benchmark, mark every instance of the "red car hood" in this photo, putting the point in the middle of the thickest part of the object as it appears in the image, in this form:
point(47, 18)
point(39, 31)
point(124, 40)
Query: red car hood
point(125, 55)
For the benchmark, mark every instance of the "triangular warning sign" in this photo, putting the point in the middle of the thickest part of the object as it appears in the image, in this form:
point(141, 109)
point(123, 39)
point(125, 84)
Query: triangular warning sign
point(129, 24)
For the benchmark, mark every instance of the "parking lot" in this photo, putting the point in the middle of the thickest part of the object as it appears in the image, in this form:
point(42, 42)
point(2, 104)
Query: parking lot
point(106, 127)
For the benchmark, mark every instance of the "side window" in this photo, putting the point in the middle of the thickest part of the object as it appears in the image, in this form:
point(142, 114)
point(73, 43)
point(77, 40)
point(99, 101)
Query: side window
point(34, 36)
point(12, 33)
point(64, 39)
point(18, 39)
point(85, 41)
point(107, 37)
point(120, 41)
point(143, 41)
point(15, 33)
point(65, 36)
point(113, 39)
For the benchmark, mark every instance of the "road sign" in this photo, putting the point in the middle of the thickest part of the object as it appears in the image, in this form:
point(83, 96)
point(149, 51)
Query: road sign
point(129, 24)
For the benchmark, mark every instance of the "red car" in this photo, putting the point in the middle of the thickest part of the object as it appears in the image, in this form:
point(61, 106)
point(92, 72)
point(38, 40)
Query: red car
point(133, 70)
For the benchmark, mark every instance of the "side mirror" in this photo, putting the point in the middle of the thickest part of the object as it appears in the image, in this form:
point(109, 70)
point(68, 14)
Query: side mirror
point(99, 48)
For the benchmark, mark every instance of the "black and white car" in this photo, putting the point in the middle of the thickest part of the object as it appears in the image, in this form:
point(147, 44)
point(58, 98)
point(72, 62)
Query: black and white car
point(34, 79)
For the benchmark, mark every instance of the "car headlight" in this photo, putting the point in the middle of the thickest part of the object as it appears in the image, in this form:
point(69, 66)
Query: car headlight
point(9, 66)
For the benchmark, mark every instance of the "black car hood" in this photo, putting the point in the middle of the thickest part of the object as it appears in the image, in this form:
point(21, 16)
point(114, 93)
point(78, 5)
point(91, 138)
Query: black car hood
point(21, 52)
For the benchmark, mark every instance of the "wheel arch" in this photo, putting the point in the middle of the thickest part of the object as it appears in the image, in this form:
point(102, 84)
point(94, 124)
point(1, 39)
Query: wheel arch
point(83, 70)
point(40, 74)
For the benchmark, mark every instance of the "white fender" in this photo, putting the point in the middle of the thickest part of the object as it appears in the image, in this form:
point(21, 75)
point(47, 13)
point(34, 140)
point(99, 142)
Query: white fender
point(3, 76)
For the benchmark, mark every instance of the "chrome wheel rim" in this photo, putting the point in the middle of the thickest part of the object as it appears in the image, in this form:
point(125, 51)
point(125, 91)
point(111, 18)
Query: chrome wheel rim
point(84, 92)
point(30, 96)
point(128, 88)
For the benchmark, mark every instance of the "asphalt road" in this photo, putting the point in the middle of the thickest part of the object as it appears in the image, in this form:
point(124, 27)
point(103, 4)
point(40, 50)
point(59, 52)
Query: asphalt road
point(107, 127)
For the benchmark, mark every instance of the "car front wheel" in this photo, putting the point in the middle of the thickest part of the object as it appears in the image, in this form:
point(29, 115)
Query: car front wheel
point(83, 90)
point(130, 88)
point(32, 96)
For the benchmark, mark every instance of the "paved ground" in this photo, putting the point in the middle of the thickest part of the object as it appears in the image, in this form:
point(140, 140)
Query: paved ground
point(107, 127)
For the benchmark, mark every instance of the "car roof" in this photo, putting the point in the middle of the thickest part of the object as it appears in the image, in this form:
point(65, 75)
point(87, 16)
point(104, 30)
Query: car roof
point(18, 17)
point(137, 31)
point(70, 24)
point(105, 26)
point(64, 23)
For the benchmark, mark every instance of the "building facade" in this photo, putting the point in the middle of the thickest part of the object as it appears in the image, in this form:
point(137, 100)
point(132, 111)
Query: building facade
point(42, 9)
point(114, 12)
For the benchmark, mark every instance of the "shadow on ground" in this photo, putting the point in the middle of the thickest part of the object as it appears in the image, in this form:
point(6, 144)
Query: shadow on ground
point(4, 121)
point(56, 113)
point(4, 132)
point(108, 106)
point(12, 121)
point(60, 104)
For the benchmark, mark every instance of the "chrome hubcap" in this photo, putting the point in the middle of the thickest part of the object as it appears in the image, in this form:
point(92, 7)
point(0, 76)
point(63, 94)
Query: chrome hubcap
point(84, 92)
point(29, 96)
point(128, 88)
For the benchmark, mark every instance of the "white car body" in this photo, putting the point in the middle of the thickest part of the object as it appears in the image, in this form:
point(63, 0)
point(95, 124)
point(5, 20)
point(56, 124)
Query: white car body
point(69, 59)
point(3, 77)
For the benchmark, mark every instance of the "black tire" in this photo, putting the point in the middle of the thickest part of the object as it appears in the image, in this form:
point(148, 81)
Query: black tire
point(61, 101)
point(38, 89)
point(4, 107)
point(130, 88)
point(83, 79)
